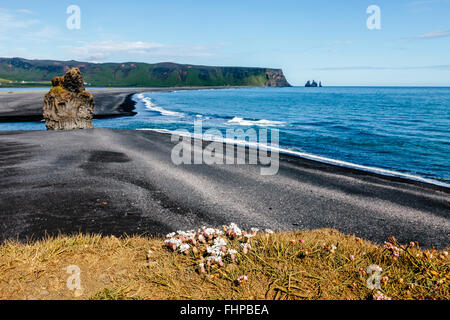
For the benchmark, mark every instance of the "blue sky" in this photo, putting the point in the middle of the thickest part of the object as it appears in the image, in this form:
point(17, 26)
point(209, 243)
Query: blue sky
point(325, 40)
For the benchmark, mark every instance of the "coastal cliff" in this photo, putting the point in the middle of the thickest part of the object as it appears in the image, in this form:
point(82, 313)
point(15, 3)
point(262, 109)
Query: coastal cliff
point(18, 72)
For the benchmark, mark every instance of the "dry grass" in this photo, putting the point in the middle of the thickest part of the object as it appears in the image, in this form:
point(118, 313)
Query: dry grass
point(278, 266)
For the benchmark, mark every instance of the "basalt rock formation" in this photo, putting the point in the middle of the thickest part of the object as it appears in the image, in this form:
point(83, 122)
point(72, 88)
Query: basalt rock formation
point(312, 84)
point(68, 106)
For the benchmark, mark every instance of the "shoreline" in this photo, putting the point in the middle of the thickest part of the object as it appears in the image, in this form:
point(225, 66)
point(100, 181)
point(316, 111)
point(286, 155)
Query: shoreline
point(118, 102)
point(117, 182)
point(121, 110)
point(22, 106)
point(403, 177)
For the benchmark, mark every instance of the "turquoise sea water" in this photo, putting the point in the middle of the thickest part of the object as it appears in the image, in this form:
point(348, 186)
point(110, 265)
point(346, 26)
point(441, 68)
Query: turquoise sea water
point(406, 130)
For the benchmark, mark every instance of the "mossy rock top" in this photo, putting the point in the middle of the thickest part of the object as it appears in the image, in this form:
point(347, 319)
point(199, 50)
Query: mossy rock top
point(72, 81)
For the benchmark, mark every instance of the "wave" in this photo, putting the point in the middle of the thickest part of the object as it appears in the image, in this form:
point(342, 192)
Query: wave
point(304, 155)
point(261, 123)
point(149, 105)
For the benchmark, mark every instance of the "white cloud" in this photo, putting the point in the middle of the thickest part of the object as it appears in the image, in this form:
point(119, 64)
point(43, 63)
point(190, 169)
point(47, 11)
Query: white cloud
point(25, 11)
point(103, 50)
point(9, 22)
point(432, 35)
point(434, 67)
point(16, 27)
point(427, 36)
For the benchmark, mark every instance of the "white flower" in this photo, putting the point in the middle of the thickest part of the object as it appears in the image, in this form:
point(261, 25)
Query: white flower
point(171, 235)
point(242, 279)
point(216, 249)
point(246, 245)
point(254, 230)
point(269, 231)
point(214, 259)
point(209, 231)
point(173, 241)
point(184, 247)
point(187, 234)
point(249, 236)
point(234, 230)
point(220, 242)
point(231, 251)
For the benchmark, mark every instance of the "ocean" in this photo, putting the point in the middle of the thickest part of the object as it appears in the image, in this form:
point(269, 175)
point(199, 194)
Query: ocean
point(401, 131)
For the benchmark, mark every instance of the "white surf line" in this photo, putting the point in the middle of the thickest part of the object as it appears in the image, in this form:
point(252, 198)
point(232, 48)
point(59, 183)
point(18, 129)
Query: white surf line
point(261, 123)
point(149, 105)
point(304, 155)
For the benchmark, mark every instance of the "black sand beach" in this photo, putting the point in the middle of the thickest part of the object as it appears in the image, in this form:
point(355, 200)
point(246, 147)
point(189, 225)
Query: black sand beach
point(19, 106)
point(116, 182)
point(27, 106)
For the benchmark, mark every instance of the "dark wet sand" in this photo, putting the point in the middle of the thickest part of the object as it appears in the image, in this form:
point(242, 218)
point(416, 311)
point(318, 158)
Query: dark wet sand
point(116, 182)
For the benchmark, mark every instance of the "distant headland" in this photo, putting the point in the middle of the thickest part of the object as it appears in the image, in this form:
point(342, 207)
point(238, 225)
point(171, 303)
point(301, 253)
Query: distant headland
point(313, 84)
point(18, 72)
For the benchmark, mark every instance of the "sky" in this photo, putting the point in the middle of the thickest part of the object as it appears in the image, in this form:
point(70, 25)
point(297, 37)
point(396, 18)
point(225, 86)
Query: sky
point(326, 40)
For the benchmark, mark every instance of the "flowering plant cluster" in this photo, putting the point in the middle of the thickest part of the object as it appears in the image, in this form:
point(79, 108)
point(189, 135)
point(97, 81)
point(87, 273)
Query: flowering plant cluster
point(380, 296)
point(214, 247)
point(221, 253)
point(389, 246)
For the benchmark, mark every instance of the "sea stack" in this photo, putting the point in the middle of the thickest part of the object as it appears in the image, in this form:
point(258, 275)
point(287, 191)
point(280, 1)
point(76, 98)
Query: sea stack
point(313, 84)
point(68, 106)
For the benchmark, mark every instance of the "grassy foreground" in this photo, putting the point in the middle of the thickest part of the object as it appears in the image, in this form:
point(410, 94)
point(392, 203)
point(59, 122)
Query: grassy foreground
point(320, 264)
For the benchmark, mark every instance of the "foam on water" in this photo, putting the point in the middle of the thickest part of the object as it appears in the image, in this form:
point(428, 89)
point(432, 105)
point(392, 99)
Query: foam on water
point(150, 105)
point(398, 129)
point(404, 131)
point(259, 123)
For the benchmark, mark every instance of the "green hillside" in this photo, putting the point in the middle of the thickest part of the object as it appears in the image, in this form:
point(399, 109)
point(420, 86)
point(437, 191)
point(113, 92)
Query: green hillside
point(22, 72)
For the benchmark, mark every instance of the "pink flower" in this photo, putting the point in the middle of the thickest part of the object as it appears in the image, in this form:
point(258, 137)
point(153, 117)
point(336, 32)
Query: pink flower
point(245, 247)
point(242, 279)
point(380, 296)
point(395, 251)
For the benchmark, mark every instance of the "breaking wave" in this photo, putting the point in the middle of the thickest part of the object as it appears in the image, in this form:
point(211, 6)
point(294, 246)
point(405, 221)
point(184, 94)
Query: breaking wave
point(261, 123)
point(149, 105)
